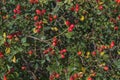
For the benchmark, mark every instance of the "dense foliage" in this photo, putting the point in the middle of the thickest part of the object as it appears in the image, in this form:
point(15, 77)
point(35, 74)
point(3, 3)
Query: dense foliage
point(60, 39)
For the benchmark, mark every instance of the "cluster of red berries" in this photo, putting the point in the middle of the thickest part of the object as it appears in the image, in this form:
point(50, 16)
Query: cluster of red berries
point(112, 44)
point(54, 75)
point(33, 1)
point(15, 34)
point(12, 35)
point(1, 55)
point(38, 24)
point(70, 26)
point(49, 50)
point(101, 48)
point(17, 10)
point(75, 8)
point(54, 41)
point(52, 17)
point(62, 53)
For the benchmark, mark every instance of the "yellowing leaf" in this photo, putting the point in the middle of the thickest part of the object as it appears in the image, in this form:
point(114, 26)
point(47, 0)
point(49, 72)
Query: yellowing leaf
point(100, 3)
point(88, 54)
point(34, 30)
point(45, 21)
point(54, 28)
point(83, 69)
point(14, 59)
point(119, 52)
point(7, 50)
point(102, 53)
point(4, 35)
point(82, 18)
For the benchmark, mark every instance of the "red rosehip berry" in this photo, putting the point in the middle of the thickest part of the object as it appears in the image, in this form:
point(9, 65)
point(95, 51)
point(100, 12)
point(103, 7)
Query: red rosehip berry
point(23, 67)
point(75, 76)
point(72, 26)
point(72, 78)
point(77, 8)
point(116, 28)
point(62, 56)
point(67, 23)
point(100, 7)
point(36, 18)
point(15, 11)
point(57, 75)
point(38, 12)
point(79, 53)
point(89, 78)
point(18, 7)
point(10, 36)
point(39, 27)
point(43, 11)
point(30, 52)
point(1, 55)
point(4, 77)
point(106, 68)
point(94, 53)
point(70, 29)
point(112, 44)
point(55, 16)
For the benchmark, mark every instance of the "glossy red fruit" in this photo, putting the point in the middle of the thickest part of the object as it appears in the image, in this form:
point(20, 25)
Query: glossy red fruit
point(50, 49)
point(10, 36)
point(23, 67)
point(38, 12)
point(72, 78)
point(43, 11)
point(106, 68)
point(75, 76)
point(94, 53)
point(77, 7)
point(30, 52)
point(116, 28)
point(79, 53)
point(62, 56)
point(45, 52)
point(64, 50)
point(1, 55)
point(72, 8)
point(58, 0)
point(39, 27)
point(14, 16)
point(89, 78)
point(55, 16)
point(70, 29)
point(50, 19)
point(54, 44)
point(100, 7)
point(18, 7)
point(112, 44)
point(57, 75)
point(33, 1)
point(119, 17)
point(72, 26)
point(67, 23)
point(4, 77)
point(36, 18)
point(15, 11)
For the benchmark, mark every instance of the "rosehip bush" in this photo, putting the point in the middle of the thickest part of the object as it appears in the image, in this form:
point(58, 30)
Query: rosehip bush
point(60, 40)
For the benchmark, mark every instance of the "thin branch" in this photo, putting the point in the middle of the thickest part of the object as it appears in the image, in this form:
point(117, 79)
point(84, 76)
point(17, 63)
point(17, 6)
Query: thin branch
point(37, 39)
point(33, 75)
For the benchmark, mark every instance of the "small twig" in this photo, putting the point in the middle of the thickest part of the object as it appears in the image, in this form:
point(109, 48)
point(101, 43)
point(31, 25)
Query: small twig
point(34, 76)
point(37, 39)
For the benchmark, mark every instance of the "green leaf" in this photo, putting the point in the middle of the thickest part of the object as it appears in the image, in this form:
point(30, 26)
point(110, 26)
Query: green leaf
point(69, 34)
point(23, 40)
